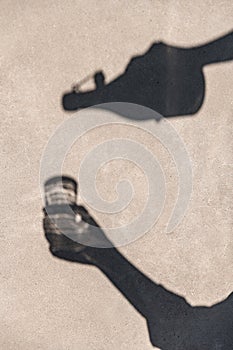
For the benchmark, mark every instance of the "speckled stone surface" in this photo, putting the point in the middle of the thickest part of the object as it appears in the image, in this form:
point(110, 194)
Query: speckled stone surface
point(46, 46)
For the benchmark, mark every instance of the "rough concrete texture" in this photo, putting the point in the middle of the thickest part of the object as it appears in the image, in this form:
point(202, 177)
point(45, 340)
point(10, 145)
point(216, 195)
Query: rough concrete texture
point(46, 46)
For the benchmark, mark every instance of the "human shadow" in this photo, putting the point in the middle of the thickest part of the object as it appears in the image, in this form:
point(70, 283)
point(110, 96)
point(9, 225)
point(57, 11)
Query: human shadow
point(173, 323)
point(167, 79)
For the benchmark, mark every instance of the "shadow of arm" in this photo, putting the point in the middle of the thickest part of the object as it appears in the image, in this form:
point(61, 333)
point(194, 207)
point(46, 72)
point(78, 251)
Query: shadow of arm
point(219, 50)
point(148, 298)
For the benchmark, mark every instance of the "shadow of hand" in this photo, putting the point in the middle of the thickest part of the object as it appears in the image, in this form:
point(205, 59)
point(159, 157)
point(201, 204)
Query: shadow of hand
point(68, 246)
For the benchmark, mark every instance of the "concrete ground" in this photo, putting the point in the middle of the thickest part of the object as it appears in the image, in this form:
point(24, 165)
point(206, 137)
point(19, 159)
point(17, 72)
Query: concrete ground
point(46, 46)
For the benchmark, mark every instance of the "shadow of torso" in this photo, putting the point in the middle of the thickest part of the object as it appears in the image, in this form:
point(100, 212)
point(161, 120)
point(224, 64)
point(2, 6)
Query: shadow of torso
point(175, 325)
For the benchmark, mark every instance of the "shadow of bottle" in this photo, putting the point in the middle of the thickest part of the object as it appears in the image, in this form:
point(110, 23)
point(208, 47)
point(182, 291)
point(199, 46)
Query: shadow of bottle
point(167, 79)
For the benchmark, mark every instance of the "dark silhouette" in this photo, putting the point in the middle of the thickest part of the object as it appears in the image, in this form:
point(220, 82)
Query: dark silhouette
point(167, 79)
point(173, 323)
